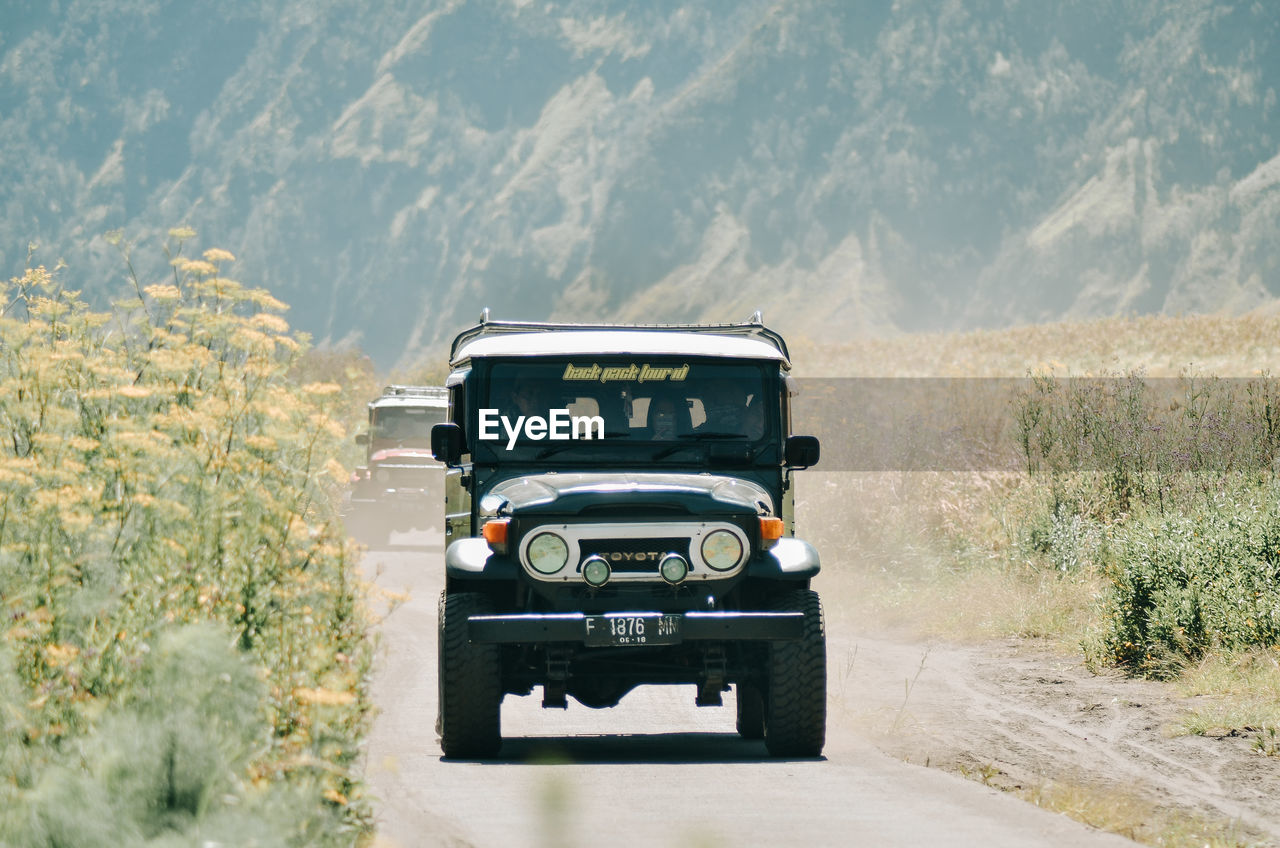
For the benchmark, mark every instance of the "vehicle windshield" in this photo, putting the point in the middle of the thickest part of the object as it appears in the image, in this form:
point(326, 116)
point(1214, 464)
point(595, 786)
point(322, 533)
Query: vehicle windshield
point(405, 426)
point(551, 406)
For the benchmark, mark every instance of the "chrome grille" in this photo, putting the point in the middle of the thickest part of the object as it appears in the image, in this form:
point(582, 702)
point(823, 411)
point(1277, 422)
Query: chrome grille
point(649, 537)
point(635, 556)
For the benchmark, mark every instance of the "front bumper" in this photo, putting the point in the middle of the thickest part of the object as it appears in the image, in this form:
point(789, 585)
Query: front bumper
point(726, 626)
point(789, 559)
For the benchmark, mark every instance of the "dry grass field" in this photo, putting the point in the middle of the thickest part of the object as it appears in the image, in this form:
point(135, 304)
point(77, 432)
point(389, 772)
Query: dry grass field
point(1158, 345)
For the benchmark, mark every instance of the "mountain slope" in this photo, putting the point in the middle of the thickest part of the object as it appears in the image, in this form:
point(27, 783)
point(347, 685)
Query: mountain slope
point(851, 168)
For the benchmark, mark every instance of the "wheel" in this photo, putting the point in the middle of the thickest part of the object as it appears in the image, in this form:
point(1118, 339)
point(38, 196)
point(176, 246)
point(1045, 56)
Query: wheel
point(795, 704)
point(750, 712)
point(470, 678)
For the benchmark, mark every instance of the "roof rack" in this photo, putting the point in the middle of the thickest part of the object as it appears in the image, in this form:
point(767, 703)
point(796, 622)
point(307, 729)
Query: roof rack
point(396, 390)
point(753, 327)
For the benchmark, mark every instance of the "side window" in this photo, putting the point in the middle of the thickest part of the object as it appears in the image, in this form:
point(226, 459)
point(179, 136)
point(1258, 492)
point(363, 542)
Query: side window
point(458, 407)
point(639, 412)
point(753, 419)
point(786, 414)
point(697, 412)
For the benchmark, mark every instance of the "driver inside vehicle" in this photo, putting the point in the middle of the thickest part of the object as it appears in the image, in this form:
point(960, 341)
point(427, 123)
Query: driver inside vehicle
point(529, 397)
point(396, 428)
point(725, 404)
point(665, 418)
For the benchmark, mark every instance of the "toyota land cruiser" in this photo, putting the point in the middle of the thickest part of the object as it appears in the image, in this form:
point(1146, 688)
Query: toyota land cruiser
point(618, 512)
point(400, 486)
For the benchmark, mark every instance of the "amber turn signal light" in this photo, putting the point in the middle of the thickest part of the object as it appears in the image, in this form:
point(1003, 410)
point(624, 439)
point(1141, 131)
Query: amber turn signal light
point(770, 529)
point(495, 533)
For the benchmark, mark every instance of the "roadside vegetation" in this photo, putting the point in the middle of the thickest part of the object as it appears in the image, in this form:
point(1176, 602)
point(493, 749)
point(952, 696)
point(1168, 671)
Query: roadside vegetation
point(1135, 511)
point(1126, 506)
point(186, 642)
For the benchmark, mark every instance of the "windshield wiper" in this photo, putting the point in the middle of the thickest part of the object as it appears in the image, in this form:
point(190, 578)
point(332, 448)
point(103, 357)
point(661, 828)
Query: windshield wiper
point(670, 449)
point(708, 435)
point(552, 450)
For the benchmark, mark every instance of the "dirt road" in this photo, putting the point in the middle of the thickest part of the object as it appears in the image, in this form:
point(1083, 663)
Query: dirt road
point(1019, 716)
point(656, 770)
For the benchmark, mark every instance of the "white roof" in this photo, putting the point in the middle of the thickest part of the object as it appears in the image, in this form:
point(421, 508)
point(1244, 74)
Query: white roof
point(411, 401)
point(637, 342)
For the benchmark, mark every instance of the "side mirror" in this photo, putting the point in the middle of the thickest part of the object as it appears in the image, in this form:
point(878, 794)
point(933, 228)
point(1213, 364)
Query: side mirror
point(362, 439)
point(446, 443)
point(802, 451)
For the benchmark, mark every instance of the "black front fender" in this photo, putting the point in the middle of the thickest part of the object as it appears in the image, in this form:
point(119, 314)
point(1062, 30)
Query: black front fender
point(788, 559)
point(473, 559)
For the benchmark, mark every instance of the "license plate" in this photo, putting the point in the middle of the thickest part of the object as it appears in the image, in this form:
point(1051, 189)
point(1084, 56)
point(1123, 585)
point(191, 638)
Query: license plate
point(631, 629)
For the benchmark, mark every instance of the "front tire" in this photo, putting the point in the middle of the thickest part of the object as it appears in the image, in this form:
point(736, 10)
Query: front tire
point(470, 682)
point(795, 708)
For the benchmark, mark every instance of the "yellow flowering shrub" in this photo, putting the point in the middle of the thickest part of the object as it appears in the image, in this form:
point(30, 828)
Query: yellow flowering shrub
point(160, 470)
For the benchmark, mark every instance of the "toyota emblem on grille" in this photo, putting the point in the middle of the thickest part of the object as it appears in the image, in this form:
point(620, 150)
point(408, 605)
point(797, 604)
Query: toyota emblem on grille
point(628, 556)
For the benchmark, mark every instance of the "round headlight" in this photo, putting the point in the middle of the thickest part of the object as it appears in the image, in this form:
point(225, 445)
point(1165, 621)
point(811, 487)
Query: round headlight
point(547, 553)
point(673, 568)
point(596, 571)
point(721, 550)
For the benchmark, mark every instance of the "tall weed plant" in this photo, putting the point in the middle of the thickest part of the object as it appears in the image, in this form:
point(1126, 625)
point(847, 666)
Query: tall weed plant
point(185, 642)
point(1145, 442)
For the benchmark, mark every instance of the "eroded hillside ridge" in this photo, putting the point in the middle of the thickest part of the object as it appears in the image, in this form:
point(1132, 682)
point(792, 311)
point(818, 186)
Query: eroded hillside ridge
point(391, 171)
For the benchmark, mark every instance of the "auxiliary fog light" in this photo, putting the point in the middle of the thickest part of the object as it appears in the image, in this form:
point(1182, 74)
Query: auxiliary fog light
point(596, 571)
point(673, 568)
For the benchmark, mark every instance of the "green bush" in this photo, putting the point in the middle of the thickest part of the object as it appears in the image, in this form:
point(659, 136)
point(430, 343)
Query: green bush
point(1075, 541)
point(165, 758)
point(1184, 584)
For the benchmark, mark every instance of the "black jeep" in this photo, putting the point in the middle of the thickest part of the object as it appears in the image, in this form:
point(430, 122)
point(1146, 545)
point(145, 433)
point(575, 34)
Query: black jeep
point(618, 511)
point(400, 485)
